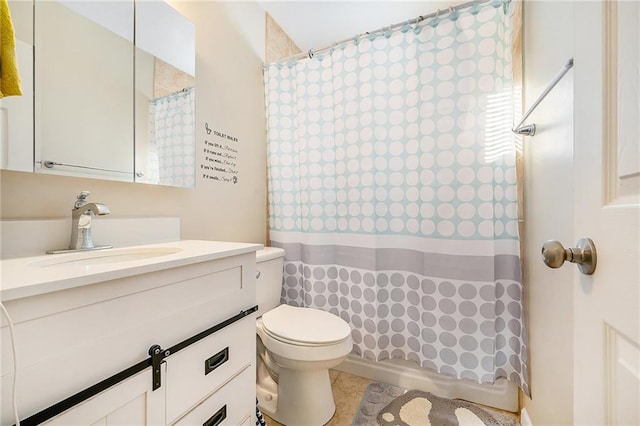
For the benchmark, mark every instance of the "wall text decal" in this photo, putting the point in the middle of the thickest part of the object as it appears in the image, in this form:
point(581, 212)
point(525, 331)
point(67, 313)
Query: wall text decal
point(220, 158)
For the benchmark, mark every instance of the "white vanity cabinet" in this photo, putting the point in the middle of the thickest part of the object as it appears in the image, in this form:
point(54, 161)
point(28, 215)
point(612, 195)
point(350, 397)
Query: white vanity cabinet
point(198, 389)
point(73, 331)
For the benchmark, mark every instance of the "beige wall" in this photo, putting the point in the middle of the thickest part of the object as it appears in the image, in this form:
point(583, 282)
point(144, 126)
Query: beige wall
point(230, 98)
point(548, 189)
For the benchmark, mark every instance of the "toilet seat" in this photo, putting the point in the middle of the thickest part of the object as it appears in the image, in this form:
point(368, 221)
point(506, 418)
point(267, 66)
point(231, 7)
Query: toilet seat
point(305, 326)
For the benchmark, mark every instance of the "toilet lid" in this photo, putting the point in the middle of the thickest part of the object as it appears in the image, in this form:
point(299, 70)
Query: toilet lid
point(305, 325)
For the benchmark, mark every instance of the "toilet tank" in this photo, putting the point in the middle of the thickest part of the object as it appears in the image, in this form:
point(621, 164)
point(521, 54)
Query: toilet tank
point(269, 263)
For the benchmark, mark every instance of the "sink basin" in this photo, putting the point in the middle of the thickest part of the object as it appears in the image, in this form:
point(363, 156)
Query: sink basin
point(107, 256)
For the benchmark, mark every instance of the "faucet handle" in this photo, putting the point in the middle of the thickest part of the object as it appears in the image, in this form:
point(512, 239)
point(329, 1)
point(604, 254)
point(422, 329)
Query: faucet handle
point(82, 199)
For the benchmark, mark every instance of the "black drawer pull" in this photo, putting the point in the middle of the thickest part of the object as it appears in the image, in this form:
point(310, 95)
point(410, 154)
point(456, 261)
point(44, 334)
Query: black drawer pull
point(216, 361)
point(217, 418)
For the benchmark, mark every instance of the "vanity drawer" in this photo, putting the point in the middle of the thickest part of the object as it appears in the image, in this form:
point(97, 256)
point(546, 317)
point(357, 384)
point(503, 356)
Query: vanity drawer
point(232, 404)
point(200, 369)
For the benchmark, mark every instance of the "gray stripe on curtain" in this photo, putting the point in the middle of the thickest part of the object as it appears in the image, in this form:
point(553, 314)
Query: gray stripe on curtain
point(455, 267)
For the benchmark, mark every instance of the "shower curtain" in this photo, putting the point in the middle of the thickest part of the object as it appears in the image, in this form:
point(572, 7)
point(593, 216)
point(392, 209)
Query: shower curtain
point(392, 189)
point(172, 139)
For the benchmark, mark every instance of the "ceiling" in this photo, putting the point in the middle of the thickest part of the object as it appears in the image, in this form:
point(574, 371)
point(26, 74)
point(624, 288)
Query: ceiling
point(318, 24)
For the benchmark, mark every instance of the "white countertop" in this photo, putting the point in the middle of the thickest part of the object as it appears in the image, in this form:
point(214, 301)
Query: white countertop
point(30, 276)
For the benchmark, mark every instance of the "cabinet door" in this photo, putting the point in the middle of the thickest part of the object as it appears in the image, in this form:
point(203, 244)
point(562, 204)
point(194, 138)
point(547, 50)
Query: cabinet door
point(232, 404)
point(131, 402)
point(79, 122)
point(205, 366)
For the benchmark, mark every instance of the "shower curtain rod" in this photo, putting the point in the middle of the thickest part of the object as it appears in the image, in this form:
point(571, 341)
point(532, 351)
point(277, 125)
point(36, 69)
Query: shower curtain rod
point(312, 52)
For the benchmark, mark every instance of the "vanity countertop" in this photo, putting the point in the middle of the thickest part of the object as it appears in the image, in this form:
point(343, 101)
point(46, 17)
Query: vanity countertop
point(31, 276)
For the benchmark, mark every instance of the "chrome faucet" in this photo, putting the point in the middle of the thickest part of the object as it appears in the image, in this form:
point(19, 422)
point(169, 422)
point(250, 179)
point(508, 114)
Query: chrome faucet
point(81, 238)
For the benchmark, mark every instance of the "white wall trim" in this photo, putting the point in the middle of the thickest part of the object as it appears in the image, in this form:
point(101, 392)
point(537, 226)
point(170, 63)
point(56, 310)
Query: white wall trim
point(525, 420)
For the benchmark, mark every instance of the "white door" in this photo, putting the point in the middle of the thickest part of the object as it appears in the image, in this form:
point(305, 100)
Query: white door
point(607, 188)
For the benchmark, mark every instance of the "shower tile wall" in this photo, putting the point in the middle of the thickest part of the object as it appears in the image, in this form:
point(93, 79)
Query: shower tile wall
point(168, 79)
point(278, 45)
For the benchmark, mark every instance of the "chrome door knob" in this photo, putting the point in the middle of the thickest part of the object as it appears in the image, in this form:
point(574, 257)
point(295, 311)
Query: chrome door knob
point(554, 254)
point(584, 255)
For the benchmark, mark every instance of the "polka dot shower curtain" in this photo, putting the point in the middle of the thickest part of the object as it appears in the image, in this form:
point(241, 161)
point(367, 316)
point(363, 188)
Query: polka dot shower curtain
point(392, 189)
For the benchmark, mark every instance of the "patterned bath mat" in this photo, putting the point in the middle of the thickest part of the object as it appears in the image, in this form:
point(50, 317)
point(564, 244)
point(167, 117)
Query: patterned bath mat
point(376, 397)
point(389, 405)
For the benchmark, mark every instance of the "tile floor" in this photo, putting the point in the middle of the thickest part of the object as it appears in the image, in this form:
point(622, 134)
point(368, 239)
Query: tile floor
point(348, 391)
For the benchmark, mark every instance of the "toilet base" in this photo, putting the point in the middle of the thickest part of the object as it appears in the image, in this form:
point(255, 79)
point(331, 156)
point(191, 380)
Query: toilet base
point(305, 398)
point(267, 394)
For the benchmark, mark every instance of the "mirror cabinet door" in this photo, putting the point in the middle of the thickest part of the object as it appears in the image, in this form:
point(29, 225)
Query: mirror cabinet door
point(84, 88)
point(164, 96)
point(109, 104)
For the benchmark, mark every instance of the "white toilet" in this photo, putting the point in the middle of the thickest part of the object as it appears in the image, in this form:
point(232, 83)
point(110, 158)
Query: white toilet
point(296, 347)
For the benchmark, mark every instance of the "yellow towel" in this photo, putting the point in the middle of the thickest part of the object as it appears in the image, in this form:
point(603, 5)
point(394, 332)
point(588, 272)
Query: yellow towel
point(9, 77)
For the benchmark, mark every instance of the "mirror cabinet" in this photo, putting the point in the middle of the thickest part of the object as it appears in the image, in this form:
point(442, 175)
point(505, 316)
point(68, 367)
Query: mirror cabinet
point(103, 96)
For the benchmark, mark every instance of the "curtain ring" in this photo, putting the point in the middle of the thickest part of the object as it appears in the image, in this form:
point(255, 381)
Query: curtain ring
point(437, 12)
point(453, 13)
point(290, 62)
point(310, 53)
point(416, 28)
